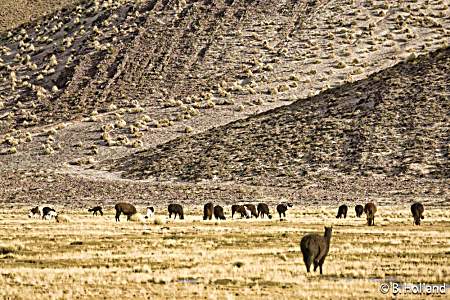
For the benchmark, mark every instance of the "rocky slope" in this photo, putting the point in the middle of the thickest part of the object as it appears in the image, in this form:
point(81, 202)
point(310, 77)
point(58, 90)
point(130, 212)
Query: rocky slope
point(100, 80)
point(14, 13)
point(392, 125)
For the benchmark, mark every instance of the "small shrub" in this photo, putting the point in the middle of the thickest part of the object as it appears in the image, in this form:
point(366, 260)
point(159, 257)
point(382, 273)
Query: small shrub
point(121, 123)
point(48, 150)
point(158, 221)
point(283, 88)
point(341, 65)
point(8, 249)
point(294, 78)
point(273, 91)
point(137, 144)
point(137, 217)
point(64, 218)
point(210, 104)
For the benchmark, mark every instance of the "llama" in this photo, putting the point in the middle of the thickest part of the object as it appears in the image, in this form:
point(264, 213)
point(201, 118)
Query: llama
point(342, 211)
point(125, 208)
point(252, 209)
point(263, 210)
point(48, 213)
point(176, 209)
point(208, 211)
point(315, 248)
point(35, 212)
point(218, 212)
point(236, 208)
point(150, 212)
point(95, 210)
point(417, 212)
point(370, 209)
point(359, 209)
point(282, 208)
point(248, 212)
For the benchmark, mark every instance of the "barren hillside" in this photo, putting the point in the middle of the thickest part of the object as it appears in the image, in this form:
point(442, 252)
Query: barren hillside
point(101, 80)
point(393, 125)
point(14, 13)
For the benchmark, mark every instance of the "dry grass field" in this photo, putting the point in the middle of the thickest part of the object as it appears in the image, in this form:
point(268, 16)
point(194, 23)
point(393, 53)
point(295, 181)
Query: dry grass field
point(94, 257)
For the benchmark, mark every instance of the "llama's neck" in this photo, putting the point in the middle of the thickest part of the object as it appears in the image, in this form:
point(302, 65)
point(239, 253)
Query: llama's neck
point(327, 238)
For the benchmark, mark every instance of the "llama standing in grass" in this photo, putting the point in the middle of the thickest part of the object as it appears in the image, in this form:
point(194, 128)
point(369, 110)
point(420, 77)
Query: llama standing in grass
point(126, 209)
point(35, 212)
point(342, 211)
point(150, 212)
point(49, 213)
point(176, 209)
point(282, 208)
point(218, 212)
point(263, 210)
point(370, 209)
point(315, 248)
point(208, 211)
point(96, 209)
point(252, 209)
point(236, 208)
point(417, 212)
point(359, 209)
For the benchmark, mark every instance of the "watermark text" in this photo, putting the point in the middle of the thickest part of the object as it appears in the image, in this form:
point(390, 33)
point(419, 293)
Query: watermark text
point(396, 288)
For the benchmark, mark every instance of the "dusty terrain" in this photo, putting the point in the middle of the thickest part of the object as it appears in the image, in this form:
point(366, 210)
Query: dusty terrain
point(14, 13)
point(94, 257)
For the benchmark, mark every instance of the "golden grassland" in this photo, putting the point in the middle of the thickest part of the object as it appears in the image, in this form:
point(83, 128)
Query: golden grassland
point(95, 257)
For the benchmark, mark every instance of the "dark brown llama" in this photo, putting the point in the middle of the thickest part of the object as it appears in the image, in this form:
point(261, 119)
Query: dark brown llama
point(208, 211)
point(126, 209)
point(263, 210)
point(236, 208)
point(370, 209)
point(417, 212)
point(282, 208)
point(95, 210)
point(359, 209)
point(342, 211)
point(176, 209)
point(315, 248)
point(218, 212)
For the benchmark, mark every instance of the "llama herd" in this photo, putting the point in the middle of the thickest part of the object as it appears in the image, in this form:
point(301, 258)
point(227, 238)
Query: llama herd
point(246, 211)
point(370, 209)
point(46, 213)
point(314, 247)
